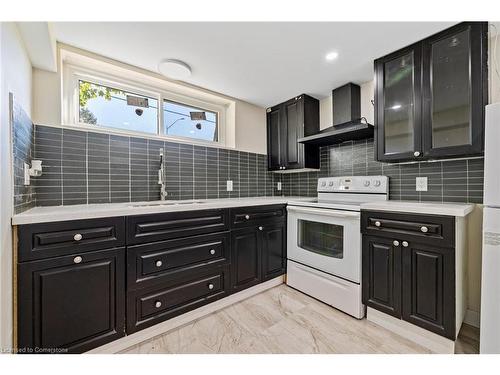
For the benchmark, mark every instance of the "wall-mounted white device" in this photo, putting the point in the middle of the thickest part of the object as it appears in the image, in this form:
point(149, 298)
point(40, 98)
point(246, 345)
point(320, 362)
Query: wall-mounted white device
point(34, 171)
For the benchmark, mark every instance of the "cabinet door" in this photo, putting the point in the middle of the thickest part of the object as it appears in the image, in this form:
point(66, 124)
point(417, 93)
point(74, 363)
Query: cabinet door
point(293, 129)
point(273, 250)
point(274, 120)
point(429, 288)
point(454, 87)
point(72, 303)
point(382, 275)
point(245, 258)
point(398, 105)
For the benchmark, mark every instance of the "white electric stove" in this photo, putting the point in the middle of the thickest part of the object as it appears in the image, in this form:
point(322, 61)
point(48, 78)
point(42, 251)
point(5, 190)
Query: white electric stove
point(324, 240)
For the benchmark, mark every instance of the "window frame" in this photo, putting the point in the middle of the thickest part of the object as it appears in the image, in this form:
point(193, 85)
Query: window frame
point(72, 75)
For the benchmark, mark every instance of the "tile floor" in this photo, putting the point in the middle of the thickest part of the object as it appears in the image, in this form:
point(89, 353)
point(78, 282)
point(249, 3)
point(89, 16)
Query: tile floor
point(283, 320)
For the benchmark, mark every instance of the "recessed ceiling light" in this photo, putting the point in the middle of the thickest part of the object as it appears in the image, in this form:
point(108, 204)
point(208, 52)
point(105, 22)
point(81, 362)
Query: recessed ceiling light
point(331, 56)
point(174, 69)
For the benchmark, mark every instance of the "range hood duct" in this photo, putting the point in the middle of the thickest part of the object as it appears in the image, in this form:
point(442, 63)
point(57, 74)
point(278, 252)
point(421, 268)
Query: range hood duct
point(347, 121)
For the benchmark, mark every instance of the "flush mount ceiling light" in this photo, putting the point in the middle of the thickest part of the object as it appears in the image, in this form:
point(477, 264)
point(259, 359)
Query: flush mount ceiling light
point(330, 56)
point(174, 69)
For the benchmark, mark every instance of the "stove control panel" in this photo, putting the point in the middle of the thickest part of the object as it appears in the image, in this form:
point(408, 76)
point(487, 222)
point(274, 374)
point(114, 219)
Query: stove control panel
point(354, 184)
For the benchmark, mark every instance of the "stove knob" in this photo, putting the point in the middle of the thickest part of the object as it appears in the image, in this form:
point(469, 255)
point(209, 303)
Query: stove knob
point(330, 183)
point(366, 183)
point(323, 183)
point(376, 183)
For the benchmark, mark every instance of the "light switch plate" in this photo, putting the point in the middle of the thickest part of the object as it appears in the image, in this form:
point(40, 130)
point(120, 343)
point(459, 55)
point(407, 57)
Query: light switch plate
point(26, 174)
point(229, 185)
point(421, 183)
point(278, 186)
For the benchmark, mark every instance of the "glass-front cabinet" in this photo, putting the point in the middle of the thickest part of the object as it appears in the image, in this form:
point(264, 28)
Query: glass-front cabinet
point(430, 96)
point(398, 103)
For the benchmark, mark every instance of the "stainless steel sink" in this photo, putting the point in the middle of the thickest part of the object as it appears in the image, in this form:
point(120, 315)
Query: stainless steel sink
point(170, 203)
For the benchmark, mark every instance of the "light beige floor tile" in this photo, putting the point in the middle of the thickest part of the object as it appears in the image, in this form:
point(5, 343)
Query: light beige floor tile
point(284, 320)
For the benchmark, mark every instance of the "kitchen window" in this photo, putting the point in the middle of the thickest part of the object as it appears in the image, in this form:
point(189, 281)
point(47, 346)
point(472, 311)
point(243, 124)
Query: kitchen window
point(126, 102)
point(111, 107)
point(182, 120)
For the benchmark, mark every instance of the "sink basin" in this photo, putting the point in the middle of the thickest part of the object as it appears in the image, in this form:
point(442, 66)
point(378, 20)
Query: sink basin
point(170, 203)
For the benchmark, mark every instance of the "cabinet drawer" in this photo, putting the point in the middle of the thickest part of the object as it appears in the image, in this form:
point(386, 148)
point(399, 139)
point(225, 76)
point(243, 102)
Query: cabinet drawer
point(146, 308)
point(249, 216)
point(46, 240)
point(432, 229)
point(157, 227)
point(150, 264)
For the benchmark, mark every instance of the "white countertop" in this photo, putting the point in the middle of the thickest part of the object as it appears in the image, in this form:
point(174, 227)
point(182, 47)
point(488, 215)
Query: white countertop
point(431, 208)
point(92, 211)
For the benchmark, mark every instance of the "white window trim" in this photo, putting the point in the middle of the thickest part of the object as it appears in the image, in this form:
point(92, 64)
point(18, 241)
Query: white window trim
point(72, 74)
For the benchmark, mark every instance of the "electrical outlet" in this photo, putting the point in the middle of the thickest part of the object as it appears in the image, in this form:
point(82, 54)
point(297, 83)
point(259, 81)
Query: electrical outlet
point(421, 183)
point(278, 186)
point(229, 185)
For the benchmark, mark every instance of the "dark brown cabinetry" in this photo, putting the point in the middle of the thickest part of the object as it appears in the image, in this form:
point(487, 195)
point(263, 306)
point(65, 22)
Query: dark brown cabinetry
point(71, 303)
point(286, 123)
point(382, 275)
point(258, 248)
point(409, 268)
point(430, 96)
point(73, 294)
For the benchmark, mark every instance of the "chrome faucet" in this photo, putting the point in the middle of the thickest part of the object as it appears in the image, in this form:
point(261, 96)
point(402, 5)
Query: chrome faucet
point(161, 176)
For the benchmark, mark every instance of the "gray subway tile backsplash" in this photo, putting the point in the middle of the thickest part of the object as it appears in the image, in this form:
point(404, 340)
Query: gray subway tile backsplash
point(88, 167)
point(22, 152)
point(447, 180)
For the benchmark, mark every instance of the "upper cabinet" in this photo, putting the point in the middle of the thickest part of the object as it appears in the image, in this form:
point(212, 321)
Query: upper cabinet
point(430, 96)
point(286, 123)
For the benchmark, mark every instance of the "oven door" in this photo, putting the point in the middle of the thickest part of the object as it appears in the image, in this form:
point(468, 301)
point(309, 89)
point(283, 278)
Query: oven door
point(326, 239)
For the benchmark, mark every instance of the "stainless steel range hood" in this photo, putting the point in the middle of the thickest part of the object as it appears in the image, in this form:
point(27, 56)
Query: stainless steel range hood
point(348, 124)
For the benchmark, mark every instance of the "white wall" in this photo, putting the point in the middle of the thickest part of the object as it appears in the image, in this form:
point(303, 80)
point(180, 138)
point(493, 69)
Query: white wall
point(16, 78)
point(249, 133)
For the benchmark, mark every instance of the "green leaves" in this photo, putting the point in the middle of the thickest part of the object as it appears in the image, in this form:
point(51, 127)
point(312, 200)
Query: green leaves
point(91, 91)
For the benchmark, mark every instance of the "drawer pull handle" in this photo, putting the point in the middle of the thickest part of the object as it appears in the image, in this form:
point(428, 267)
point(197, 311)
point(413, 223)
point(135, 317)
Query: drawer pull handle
point(159, 263)
point(395, 243)
point(247, 217)
point(77, 259)
point(157, 304)
point(212, 251)
point(210, 286)
point(424, 229)
point(77, 237)
point(260, 228)
point(377, 223)
point(405, 244)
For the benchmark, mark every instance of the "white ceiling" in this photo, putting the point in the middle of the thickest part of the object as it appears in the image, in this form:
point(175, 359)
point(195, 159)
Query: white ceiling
point(262, 63)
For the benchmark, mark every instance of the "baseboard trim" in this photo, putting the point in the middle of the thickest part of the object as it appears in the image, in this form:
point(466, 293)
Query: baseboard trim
point(178, 321)
point(472, 318)
point(427, 339)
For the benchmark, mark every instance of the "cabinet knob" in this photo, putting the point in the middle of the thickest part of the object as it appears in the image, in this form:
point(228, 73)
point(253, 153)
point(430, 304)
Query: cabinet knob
point(77, 259)
point(416, 153)
point(212, 251)
point(261, 228)
point(247, 217)
point(424, 229)
point(159, 263)
point(377, 223)
point(210, 286)
point(405, 244)
point(395, 243)
point(157, 304)
point(77, 237)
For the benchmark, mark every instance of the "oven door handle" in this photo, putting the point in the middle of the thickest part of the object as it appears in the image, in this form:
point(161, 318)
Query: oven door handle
point(323, 212)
